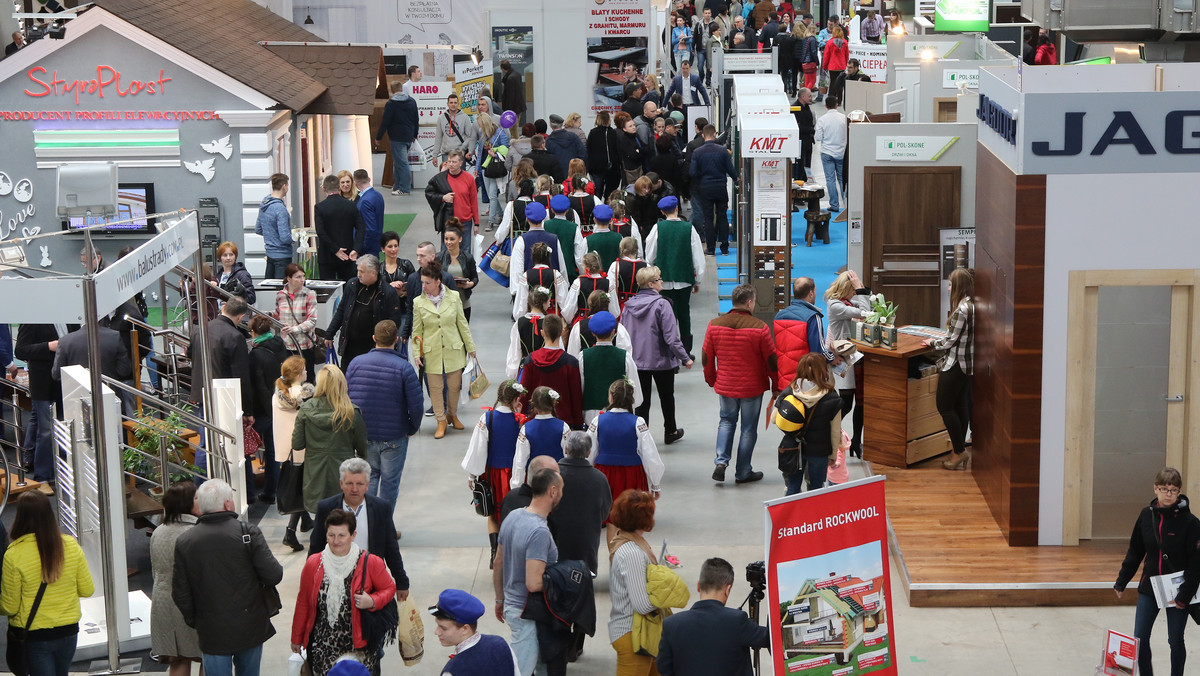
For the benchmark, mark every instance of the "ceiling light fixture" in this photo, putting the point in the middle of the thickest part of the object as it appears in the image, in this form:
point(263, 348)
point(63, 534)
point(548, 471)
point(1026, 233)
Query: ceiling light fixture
point(308, 17)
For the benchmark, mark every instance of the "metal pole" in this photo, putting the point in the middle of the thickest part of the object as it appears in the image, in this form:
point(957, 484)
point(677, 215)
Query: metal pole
point(104, 490)
point(212, 444)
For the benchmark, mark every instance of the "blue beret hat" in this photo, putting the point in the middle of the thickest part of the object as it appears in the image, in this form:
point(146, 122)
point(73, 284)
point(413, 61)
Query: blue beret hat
point(668, 203)
point(602, 323)
point(602, 213)
point(560, 203)
point(459, 606)
point(534, 211)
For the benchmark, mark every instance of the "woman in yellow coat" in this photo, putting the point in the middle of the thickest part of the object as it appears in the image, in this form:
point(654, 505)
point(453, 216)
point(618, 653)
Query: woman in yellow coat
point(41, 554)
point(441, 342)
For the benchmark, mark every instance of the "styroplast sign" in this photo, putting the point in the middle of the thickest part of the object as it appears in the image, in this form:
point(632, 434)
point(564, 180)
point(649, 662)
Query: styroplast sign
point(1105, 133)
point(105, 79)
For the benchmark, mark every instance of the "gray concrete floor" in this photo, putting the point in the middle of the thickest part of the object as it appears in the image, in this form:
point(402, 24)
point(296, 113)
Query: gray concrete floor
point(445, 542)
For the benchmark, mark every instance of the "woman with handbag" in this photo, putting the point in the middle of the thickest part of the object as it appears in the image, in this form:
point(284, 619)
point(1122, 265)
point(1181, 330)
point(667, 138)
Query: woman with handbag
point(330, 429)
point(489, 457)
point(296, 309)
point(460, 264)
point(443, 341)
point(629, 149)
point(954, 378)
point(171, 640)
point(810, 57)
point(492, 147)
point(631, 517)
point(45, 575)
point(291, 390)
point(822, 425)
point(846, 300)
point(1165, 540)
point(338, 587)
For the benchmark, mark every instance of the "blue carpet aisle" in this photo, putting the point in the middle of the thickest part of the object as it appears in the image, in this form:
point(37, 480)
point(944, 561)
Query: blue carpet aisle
point(821, 261)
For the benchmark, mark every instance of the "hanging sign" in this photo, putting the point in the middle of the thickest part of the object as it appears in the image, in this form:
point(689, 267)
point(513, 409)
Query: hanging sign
point(872, 59)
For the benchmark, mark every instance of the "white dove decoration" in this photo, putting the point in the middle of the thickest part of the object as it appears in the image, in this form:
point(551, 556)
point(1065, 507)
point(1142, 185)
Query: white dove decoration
point(219, 147)
point(202, 167)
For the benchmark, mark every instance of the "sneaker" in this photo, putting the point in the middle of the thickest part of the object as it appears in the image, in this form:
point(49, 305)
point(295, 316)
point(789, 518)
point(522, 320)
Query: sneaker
point(396, 193)
point(749, 478)
point(724, 251)
point(429, 412)
point(719, 472)
point(672, 437)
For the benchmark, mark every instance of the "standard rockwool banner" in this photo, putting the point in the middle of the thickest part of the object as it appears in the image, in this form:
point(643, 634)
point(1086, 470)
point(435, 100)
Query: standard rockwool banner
point(829, 602)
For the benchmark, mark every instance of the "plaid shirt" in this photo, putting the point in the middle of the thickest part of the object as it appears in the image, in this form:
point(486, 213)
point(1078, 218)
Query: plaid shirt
point(300, 312)
point(960, 342)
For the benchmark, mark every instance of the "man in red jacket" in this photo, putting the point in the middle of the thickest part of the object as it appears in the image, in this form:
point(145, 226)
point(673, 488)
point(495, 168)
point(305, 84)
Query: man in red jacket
point(739, 363)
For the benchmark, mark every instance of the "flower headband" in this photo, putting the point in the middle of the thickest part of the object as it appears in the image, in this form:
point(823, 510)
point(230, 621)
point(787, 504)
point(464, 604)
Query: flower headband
point(554, 395)
point(541, 289)
point(518, 388)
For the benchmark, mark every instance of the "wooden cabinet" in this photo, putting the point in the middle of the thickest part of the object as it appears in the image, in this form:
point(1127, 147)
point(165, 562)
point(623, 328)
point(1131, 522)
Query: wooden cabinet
point(901, 424)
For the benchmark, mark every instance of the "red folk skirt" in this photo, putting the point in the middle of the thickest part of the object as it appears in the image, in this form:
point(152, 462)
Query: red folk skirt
point(623, 477)
point(498, 477)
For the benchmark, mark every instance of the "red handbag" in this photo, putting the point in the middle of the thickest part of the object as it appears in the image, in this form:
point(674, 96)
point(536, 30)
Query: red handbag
point(251, 437)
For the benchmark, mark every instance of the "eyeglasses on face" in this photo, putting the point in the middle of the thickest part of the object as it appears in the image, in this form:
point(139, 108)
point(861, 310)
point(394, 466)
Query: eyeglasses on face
point(1167, 490)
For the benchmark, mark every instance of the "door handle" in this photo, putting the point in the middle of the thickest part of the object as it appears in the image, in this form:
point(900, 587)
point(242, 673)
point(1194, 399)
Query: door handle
point(1177, 397)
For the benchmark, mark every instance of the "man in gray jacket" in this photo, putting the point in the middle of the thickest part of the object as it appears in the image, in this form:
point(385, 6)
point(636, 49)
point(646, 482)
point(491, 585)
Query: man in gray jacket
point(224, 572)
point(454, 132)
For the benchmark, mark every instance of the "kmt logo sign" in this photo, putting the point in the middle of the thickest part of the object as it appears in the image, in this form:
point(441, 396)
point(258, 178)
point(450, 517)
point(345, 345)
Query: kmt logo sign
point(768, 144)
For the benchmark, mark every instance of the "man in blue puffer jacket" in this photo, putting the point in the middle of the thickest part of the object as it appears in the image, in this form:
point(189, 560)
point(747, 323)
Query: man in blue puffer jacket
point(386, 389)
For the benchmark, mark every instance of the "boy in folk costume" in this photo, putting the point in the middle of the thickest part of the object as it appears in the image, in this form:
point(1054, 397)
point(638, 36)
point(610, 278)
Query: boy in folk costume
point(603, 240)
point(581, 334)
point(522, 251)
point(569, 235)
point(604, 363)
point(668, 246)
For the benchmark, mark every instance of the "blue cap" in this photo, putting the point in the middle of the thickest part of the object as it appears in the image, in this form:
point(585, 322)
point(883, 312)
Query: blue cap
point(602, 323)
point(459, 606)
point(560, 203)
point(534, 211)
point(668, 203)
point(349, 667)
point(602, 213)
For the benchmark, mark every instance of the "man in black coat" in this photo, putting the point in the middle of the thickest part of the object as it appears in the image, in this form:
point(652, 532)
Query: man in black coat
point(579, 518)
point(228, 356)
point(710, 638)
point(512, 91)
point(267, 354)
point(37, 345)
point(544, 161)
point(73, 350)
point(376, 532)
point(365, 302)
point(339, 233)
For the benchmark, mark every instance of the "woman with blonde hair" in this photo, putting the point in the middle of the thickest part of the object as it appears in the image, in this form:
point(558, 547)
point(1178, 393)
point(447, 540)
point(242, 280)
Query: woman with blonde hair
point(847, 299)
point(329, 429)
point(954, 380)
point(291, 390)
point(43, 562)
point(574, 124)
point(491, 138)
point(346, 187)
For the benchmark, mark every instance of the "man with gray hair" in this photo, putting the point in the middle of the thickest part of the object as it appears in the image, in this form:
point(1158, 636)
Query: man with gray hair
point(578, 520)
point(376, 532)
point(222, 567)
point(365, 302)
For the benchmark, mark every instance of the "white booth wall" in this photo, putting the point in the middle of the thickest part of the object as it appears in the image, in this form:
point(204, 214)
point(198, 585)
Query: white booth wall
point(933, 84)
point(862, 154)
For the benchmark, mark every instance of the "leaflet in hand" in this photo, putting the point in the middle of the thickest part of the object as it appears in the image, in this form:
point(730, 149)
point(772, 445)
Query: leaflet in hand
point(1166, 588)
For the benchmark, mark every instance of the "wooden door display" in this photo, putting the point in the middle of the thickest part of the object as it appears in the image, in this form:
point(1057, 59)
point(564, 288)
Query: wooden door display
point(904, 210)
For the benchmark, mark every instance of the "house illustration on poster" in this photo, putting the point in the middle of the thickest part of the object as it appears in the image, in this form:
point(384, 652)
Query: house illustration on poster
point(831, 616)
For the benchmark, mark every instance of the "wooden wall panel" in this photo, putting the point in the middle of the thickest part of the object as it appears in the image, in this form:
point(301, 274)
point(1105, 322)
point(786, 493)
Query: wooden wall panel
point(1009, 282)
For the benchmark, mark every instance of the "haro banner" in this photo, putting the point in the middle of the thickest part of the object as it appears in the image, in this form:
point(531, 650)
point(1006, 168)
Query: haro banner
point(829, 603)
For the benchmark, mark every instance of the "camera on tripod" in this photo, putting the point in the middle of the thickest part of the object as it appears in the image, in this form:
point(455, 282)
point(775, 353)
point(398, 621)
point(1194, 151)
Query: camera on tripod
point(756, 575)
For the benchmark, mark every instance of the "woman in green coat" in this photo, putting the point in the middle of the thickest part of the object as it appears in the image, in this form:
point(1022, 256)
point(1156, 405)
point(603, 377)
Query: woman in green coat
point(442, 341)
point(331, 429)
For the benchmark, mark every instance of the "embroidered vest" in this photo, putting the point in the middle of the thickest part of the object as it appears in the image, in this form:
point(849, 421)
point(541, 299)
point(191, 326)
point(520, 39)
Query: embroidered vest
point(588, 284)
point(539, 236)
point(565, 231)
point(529, 332)
point(616, 439)
point(583, 206)
point(627, 279)
point(606, 243)
point(544, 277)
point(675, 251)
point(545, 437)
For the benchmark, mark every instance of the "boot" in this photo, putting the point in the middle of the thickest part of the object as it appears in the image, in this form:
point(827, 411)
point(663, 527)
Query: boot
point(494, 539)
point(456, 422)
point(289, 539)
point(306, 522)
point(441, 430)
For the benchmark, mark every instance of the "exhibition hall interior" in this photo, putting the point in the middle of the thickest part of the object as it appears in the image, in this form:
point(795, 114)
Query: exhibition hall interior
point(821, 337)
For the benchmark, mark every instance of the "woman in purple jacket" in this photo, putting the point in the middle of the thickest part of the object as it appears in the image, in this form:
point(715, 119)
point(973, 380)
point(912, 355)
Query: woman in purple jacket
point(657, 348)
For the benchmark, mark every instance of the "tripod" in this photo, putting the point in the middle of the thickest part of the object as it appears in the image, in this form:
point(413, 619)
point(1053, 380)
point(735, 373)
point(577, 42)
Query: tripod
point(754, 599)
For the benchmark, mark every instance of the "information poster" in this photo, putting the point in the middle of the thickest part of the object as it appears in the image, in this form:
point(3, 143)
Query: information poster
point(872, 59)
point(962, 16)
point(1120, 654)
point(470, 79)
point(958, 250)
point(828, 587)
point(431, 103)
point(515, 45)
point(618, 34)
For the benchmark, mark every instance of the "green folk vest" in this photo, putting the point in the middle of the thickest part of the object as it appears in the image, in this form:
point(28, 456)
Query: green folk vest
point(565, 230)
point(674, 257)
point(602, 364)
point(606, 243)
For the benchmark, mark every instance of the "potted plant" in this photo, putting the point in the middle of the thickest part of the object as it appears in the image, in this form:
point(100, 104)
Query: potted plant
point(145, 433)
point(882, 320)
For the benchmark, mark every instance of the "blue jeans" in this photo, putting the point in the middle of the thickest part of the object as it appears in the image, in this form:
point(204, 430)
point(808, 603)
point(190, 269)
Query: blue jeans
point(833, 179)
point(53, 657)
point(494, 189)
point(731, 409)
point(387, 466)
point(275, 267)
point(244, 663)
point(401, 172)
point(43, 448)
point(700, 65)
point(524, 642)
point(815, 466)
point(1143, 623)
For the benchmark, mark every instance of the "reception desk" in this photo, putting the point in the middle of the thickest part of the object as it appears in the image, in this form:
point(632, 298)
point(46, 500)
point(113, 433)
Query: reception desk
point(901, 425)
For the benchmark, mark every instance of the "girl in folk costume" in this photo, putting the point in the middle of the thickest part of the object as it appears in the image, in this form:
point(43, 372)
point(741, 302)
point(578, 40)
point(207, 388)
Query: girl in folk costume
point(622, 274)
point(492, 448)
point(602, 364)
point(603, 240)
point(540, 274)
point(621, 222)
point(573, 182)
point(514, 224)
point(543, 434)
point(526, 333)
point(546, 188)
point(592, 279)
point(553, 367)
point(622, 447)
point(582, 200)
point(521, 258)
point(582, 337)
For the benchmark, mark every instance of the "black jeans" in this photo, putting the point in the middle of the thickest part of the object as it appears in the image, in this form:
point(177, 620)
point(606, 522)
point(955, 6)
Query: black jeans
point(953, 402)
point(681, 306)
point(664, 381)
point(713, 222)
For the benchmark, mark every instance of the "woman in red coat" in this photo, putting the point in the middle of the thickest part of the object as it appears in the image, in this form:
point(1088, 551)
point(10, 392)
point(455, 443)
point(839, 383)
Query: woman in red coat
point(334, 591)
point(837, 52)
point(1046, 54)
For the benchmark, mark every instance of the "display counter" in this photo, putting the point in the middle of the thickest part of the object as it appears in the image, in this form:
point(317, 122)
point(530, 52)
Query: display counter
point(901, 424)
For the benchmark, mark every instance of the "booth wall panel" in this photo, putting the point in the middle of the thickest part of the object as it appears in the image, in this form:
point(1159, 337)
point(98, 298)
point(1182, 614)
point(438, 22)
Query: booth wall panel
point(1010, 283)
